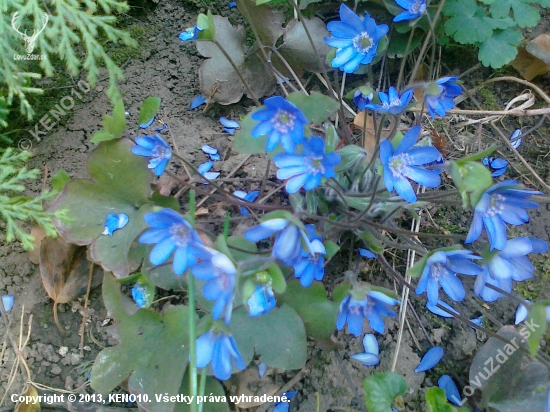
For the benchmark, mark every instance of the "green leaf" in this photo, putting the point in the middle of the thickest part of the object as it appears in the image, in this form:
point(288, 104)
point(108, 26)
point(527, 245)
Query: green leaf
point(279, 337)
point(114, 126)
point(381, 389)
point(278, 281)
point(153, 350)
point(471, 179)
point(536, 319)
point(525, 15)
point(206, 22)
point(399, 41)
point(267, 22)
point(213, 387)
point(318, 313)
point(244, 142)
point(305, 3)
point(436, 401)
point(59, 179)
point(119, 183)
point(316, 107)
point(372, 242)
point(467, 23)
point(148, 109)
point(500, 49)
point(331, 247)
point(332, 139)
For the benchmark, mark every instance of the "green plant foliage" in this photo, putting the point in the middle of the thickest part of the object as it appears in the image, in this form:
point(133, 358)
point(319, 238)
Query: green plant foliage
point(152, 350)
point(536, 316)
point(279, 337)
point(14, 207)
point(316, 107)
point(471, 179)
point(524, 14)
point(113, 126)
point(381, 389)
point(507, 386)
point(119, 183)
point(59, 180)
point(500, 48)
point(148, 109)
point(70, 24)
point(212, 387)
point(436, 401)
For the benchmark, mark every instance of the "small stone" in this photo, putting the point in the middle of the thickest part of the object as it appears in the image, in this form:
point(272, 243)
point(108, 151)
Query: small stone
point(63, 350)
point(56, 370)
point(75, 359)
point(87, 348)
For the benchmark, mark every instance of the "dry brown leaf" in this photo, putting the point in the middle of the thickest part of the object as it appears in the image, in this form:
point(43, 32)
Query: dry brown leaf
point(165, 184)
point(38, 234)
point(30, 406)
point(370, 136)
point(65, 269)
point(533, 59)
point(249, 383)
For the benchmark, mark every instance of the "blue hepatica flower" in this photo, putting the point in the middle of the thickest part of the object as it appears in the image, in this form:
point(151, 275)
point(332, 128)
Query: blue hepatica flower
point(285, 406)
point(249, 197)
point(355, 39)
point(403, 163)
point(171, 232)
point(496, 164)
point(220, 349)
point(511, 263)
point(8, 301)
point(139, 294)
point(391, 103)
point(373, 306)
point(191, 33)
point(155, 148)
point(362, 99)
point(219, 273)
point(287, 246)
point(440, 312)
point(503, 203)
point(282, 122)
point(204, 170)
point(413, 9)
point(446, 383)
point(312, 264)
point(516, 139)
point(306, 169)
point(443, 101)
point(114, 222)
point(430, 359)
point(370, 356)
point(197, 101)
point(262, 300)
point(441, 269)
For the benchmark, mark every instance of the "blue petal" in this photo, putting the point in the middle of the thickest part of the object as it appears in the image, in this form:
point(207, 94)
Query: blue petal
point(408, 140)
point(404, 189)
point(209, 149)
point(366, 253)
point(154, 236)
point(181, 258)
point(521, 313)
point(205, 167)
point(162, 251)
point(452, 285)
point(430, 359)
point(197, 101)
point(367, 359)
point(440, 312)
point(423, 155)
point(371, 344)
point(295, 183)
point(147, 124)
point(291, 171)
point(252, 196)
point(427, 178)
point(257, 233)
point(262, 368)
point(221, 359)
point(446, 383)
point(205, 346)
point(8, 300)
point(232, 124)
point(139, 295)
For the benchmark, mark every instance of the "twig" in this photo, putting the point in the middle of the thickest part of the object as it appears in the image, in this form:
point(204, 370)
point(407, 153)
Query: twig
point(85, 310)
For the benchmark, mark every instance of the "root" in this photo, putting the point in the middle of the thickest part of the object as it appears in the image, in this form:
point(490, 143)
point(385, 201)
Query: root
point(57, 320)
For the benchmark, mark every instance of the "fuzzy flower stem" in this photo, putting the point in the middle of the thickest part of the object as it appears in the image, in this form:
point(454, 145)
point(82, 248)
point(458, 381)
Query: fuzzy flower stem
point(192, 341)
point(230, 60)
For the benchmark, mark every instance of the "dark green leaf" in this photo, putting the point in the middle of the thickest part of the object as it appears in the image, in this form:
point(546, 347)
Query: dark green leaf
point(148, 109)
point(317, 107)
point(381, 389)
point(331, 247)
point(213, 387)
point(500, 49)
point(59, 179)
point(437, 401)
point(525, 15)
point(471, 179)
point(267, 22)
point(536, 321)
point(372, 242)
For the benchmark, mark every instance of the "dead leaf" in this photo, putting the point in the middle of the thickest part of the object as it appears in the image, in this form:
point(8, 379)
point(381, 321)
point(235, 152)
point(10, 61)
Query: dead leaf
point(249, 383)
point(29, 406)
point(533, 59)
point(166, 184)
point(65, 269)
point(369, 141)
point(38, 234)
point(440, 143)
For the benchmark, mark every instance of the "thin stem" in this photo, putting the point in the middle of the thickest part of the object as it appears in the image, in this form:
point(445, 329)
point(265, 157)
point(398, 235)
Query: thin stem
point(192, 206)
point(192, 341)
point(202, 385)
point(402, 67)
point(232, 63)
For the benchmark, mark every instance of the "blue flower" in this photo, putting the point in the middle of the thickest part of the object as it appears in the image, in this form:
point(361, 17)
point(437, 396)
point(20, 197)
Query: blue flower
point(220, 274)
point(191, 33)
point(440, 312)
point(430, 359)
point(155, 148)
point(306, 169)
point(413, 9)
point(373, 306)
point(496, 164)
point(139, 294)
point(114, 222)
point(282, 122)
point(249, 197)
point(441, 268)
point(443, 101)
point(370, 356)
point(197, 101)
point(312, 264)
point(287, 246)
point(446, 383)
point(8, 301)
point(362, 99)
point(403, 162)
point(366, 253)
point(219, 348)
point(356, 40)
point(262, 300)
point(503, 203)
point(511, 263)
point(391, 103)
point(285, 406)
point(171, 232)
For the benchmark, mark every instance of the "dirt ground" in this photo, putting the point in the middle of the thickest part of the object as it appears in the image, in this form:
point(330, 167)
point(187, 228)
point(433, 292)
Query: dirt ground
point(167, 68)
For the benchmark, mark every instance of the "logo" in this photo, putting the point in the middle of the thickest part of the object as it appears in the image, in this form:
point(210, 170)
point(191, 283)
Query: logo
point(29, 40)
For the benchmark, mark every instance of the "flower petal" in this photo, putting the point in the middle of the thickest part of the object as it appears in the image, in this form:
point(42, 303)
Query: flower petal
point(430, 359)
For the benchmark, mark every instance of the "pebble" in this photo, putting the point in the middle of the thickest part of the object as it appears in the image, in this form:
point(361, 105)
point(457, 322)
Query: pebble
point(56, 370)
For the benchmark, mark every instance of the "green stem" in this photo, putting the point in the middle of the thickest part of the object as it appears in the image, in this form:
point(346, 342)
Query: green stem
point(192, 206)
point(192, 341)
point(202, 386)
point(226, 225)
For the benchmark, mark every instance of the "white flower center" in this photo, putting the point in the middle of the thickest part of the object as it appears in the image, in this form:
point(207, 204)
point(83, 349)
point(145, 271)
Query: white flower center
point(283, 121)
point(316, 165)
point(363, 43)
point(180, 234)
point(417, 7)
point(159, 151)
point(437, 271)
point(496, 202)
point(400, 164)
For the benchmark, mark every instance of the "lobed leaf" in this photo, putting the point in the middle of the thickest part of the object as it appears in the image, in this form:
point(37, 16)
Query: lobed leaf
point(381, 389)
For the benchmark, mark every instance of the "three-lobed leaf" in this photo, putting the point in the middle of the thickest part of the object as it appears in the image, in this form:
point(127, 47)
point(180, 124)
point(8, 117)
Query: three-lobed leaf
point(113, 126)
point(381, 389)
point(500, 48)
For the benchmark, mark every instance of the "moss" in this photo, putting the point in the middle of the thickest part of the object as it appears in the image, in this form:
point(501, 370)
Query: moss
point(488, 97)
point(534, 289)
